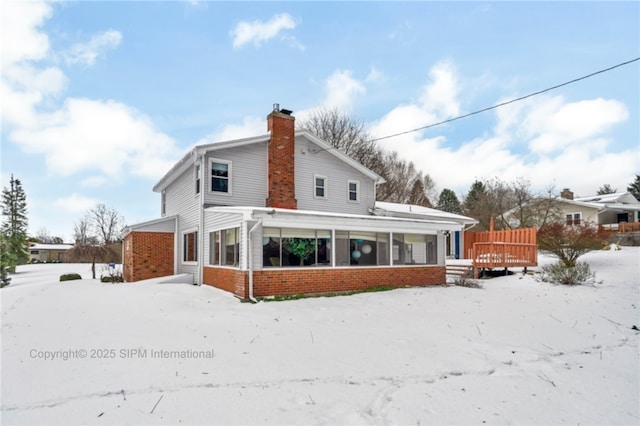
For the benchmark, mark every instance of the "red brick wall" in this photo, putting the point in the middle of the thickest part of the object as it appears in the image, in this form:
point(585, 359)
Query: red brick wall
point(231, 280)
point(326, 280)
point(322, 280)
point(281, 183)
point(148, 255)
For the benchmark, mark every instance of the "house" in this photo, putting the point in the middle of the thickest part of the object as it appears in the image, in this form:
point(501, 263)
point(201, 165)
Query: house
point(609, 211)
point(454, 240)
point(280, 214)
point(42, 253)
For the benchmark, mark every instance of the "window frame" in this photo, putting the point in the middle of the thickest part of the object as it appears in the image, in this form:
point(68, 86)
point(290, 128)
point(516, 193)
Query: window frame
point(573, 219)
point(325, 181)
point(228, 177)
point(357, 191)
point(218, 248)
point(198, 180)
point(186, 259)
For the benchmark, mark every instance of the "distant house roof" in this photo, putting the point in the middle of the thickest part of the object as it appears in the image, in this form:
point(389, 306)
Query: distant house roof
point(197, 151)
point(414, 211)
point(39, 246)
point(620, 200)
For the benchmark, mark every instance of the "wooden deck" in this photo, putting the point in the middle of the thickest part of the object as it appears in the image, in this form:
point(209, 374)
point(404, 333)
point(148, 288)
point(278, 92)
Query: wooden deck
point(622, 227)
point(510, 248)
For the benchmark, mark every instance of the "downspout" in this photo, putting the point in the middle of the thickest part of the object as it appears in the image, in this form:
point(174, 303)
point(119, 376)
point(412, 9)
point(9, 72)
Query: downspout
point(201, 227)
point(249, 241)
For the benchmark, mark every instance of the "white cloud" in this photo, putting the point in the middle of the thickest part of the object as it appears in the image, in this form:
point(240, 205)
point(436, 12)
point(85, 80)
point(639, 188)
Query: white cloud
point(341, 89)
point(106, 138)
point(257, 32)
point(87, 53)
point(75, 203)
point(437, 101)
point(547, 140)
point(20, 39)
point(98, 136)
point(94, 181)
point(250, 126)
point(375, 75)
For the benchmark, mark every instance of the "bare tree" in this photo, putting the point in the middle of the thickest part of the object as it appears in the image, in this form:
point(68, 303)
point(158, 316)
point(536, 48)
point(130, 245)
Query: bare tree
point(82, 231)
point(92, 253)
point(404, 183)
point(107, 222)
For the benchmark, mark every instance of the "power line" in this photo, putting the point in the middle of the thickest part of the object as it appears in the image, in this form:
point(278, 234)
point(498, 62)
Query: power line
point(505, 103)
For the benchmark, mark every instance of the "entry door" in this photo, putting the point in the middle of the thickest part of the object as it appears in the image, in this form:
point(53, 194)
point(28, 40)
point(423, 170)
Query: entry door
point(623, 217)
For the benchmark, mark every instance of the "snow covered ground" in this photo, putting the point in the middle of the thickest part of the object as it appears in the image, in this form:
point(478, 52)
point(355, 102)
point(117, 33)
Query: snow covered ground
point(515, 352)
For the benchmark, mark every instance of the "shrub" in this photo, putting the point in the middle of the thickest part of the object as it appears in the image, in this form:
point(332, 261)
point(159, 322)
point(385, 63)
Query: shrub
point(117, 278)
point(465, 282)
point(111, 274)
point(569, 242)
point(69, 277)
point(559, 273)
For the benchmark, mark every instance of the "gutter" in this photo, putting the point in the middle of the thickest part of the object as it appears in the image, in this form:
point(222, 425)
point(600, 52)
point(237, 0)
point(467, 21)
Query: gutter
point(253, 228)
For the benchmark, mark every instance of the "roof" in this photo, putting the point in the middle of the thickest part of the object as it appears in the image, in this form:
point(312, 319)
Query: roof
point(619, 197)
point(39, 246)
point(199, 150)
point(617, 201)
point(292, 217)
point(411, 210)
point(141, 225)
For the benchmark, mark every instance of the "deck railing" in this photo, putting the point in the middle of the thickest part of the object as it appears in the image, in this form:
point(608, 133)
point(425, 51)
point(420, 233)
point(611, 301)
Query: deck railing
point(504, 255)
point(622, 227)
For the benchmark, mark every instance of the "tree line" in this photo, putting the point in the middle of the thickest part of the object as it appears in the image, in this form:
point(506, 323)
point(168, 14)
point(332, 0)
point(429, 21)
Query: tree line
point(513, 204)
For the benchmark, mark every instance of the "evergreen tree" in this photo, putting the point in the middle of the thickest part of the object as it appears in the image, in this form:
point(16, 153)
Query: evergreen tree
point(448, 202)
point(7, 262)
point(634, 188)
point(606, 189)
point(14, 225)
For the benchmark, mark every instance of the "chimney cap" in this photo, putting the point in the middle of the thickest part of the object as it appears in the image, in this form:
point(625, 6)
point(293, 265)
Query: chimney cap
point(286, 111)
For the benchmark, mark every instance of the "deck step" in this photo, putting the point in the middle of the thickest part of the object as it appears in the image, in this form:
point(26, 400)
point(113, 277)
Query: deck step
point(460, 270)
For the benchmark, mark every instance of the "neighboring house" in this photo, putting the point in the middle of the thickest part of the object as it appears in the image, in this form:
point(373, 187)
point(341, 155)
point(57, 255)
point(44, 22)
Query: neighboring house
point(280, 214)
point(40, 253)
point(607, 210)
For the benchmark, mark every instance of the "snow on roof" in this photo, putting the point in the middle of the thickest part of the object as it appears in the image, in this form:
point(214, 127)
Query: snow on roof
point(415, 210)
point(39, 246)
point(249, 211)
point(605, 198)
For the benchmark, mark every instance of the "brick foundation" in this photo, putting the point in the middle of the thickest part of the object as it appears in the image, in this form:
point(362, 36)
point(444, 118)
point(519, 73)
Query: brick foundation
point(148, 255)
point(231, 280)
point(321, 280)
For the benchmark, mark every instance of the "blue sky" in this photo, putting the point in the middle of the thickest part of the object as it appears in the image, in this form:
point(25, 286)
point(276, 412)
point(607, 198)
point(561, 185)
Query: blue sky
point(99, 99)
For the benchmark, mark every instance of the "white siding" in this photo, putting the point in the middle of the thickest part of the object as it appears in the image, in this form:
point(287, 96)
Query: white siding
point(310, 161)
point(248, 176)
point(442, 248)
point(168, 225)
point(183, 202)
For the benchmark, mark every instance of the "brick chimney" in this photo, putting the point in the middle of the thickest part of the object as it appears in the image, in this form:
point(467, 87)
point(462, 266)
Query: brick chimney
point(566, 194)
point(282, 188)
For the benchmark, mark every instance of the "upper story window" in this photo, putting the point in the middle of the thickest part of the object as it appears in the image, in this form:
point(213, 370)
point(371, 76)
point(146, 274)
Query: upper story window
point(163, 202)
point(320, 186)
point(573, 219)
point(197, 172)
point(354, 190)
point(220, 176)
